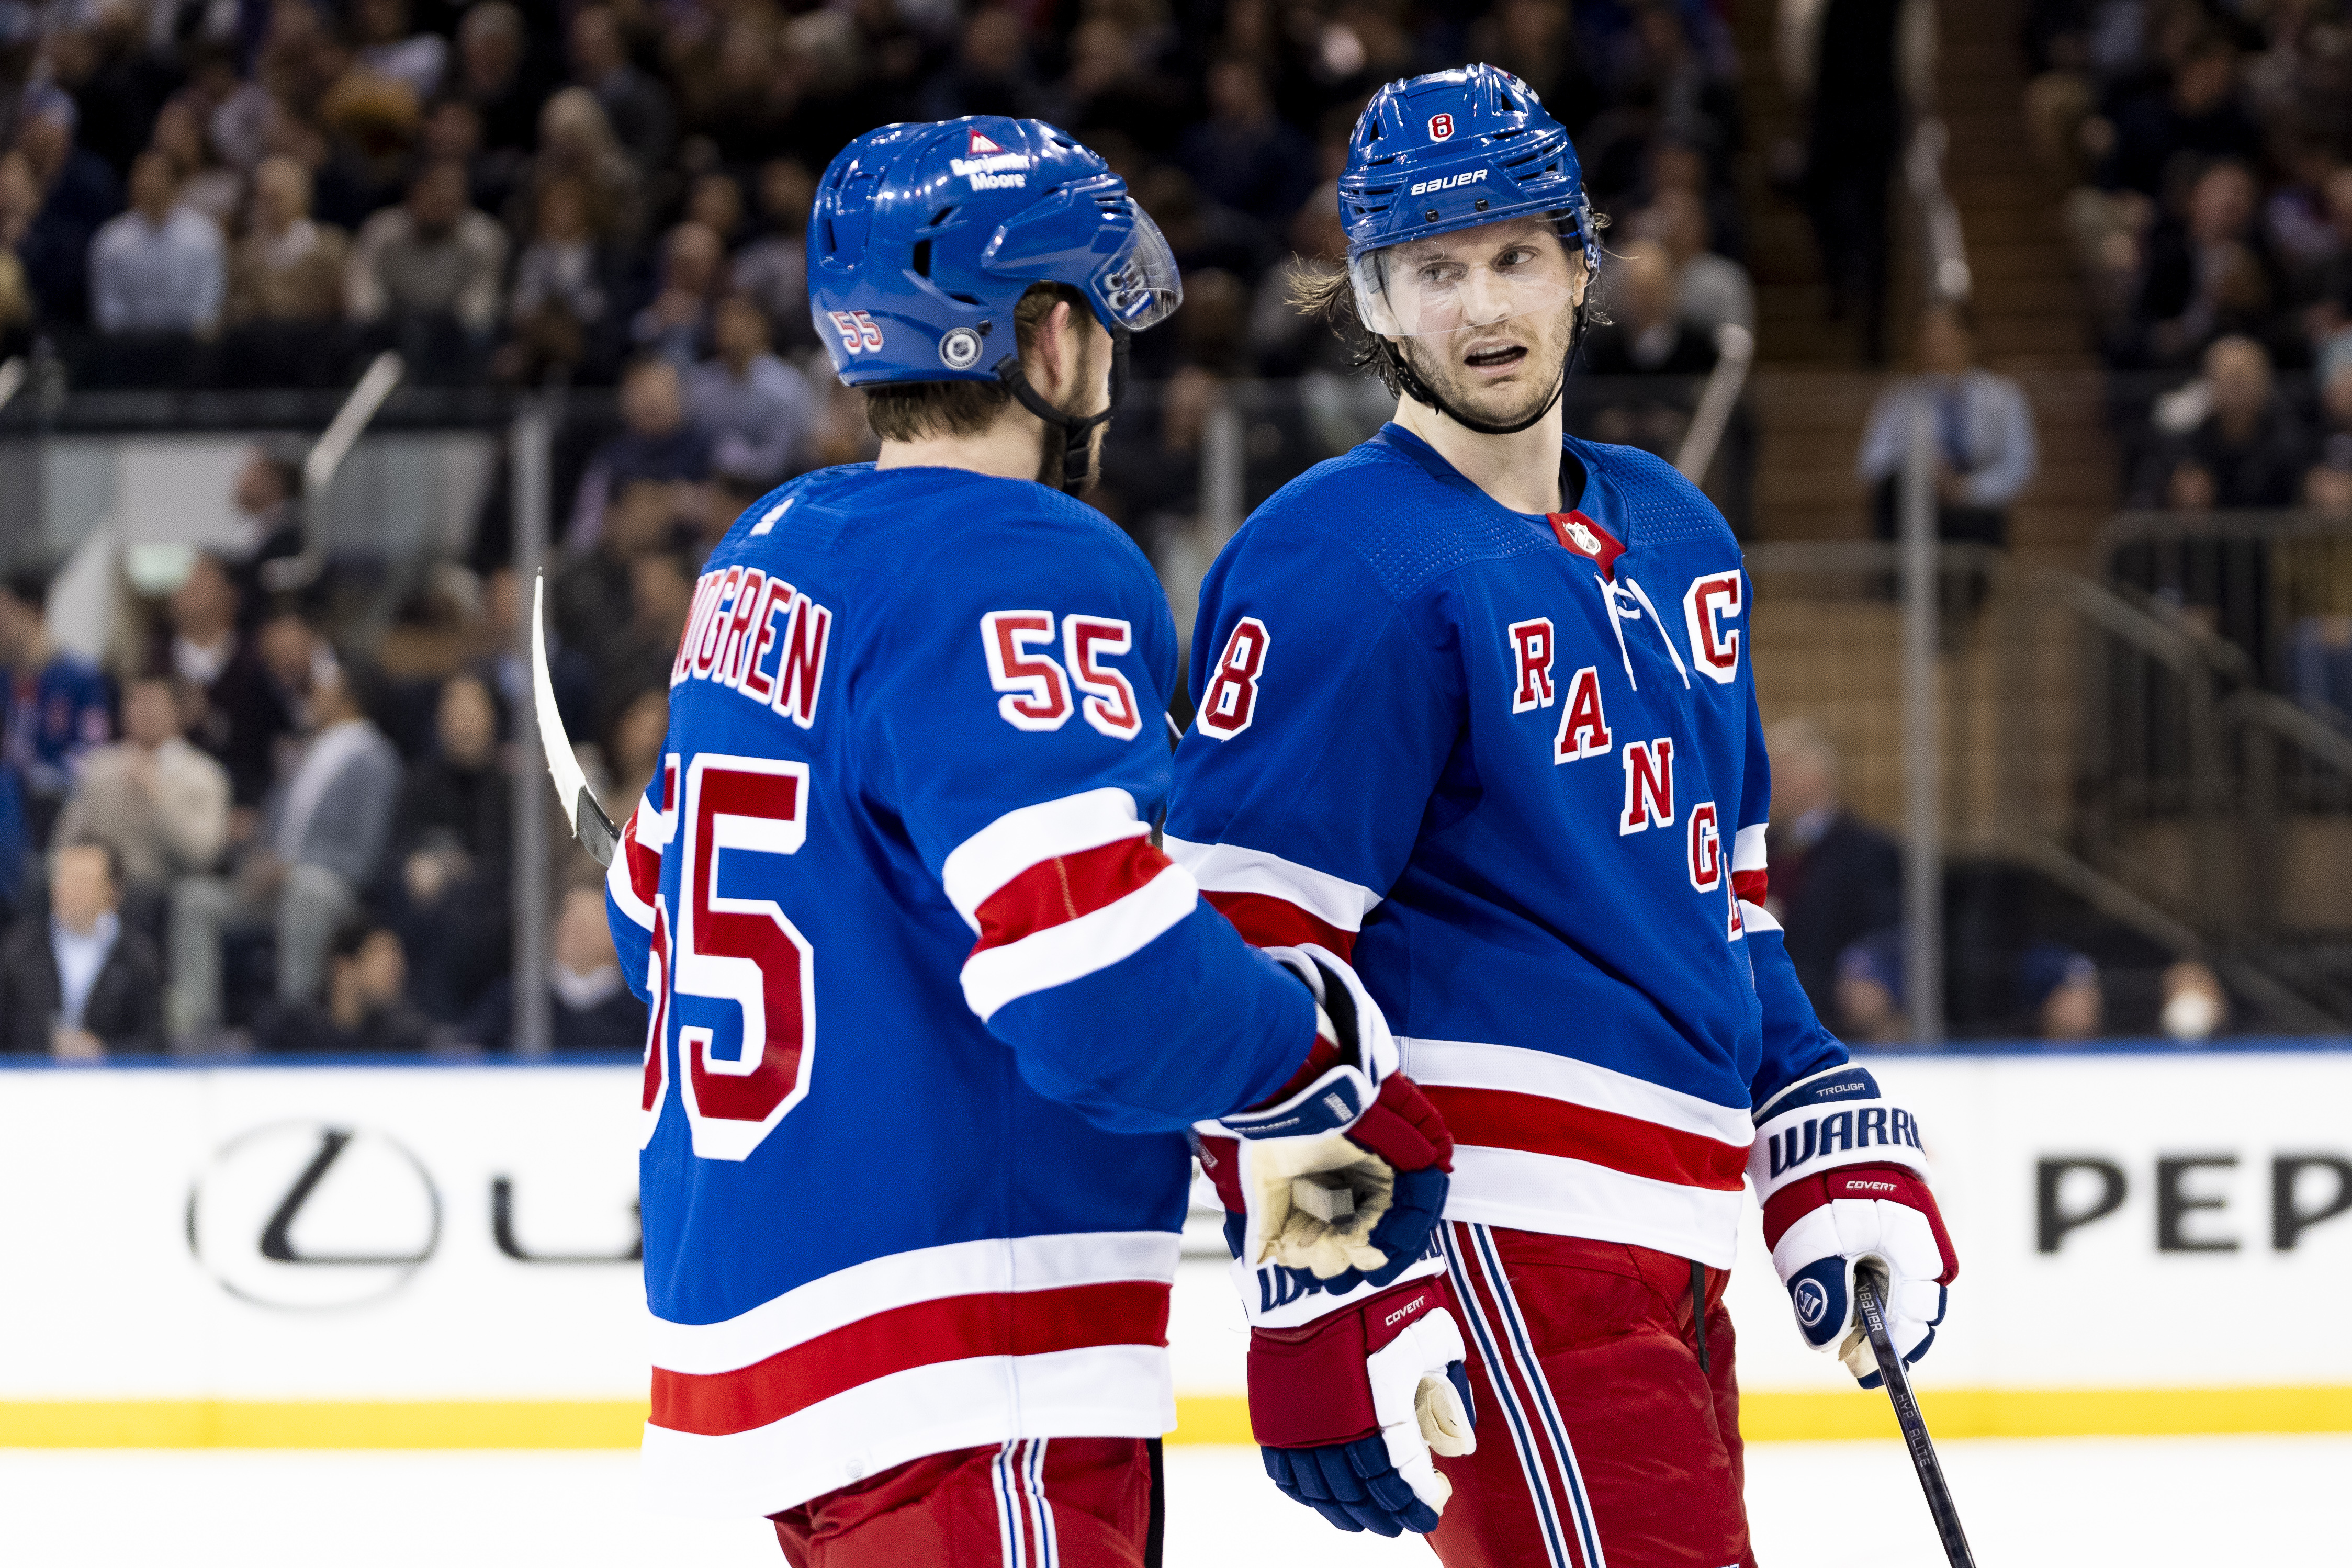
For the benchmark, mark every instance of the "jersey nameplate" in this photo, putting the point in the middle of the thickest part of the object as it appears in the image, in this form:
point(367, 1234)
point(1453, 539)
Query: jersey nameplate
point(742, 616)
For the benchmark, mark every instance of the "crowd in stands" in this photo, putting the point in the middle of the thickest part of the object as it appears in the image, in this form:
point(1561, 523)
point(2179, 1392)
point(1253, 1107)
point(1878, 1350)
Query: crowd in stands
point(258, 832)
point(2212, 146)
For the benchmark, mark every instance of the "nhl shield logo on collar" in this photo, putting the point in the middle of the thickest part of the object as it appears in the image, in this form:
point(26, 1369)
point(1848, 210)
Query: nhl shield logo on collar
point(1580, 533)
point(1441, 126)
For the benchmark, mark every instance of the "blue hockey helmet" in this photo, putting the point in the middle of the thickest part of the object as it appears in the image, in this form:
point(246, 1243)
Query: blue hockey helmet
point(1433, 155)
point(1455, 149)
point(924, 237)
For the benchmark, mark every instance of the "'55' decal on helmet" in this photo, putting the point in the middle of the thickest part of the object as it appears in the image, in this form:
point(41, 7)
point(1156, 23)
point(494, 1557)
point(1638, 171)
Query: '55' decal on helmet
point(859, 335)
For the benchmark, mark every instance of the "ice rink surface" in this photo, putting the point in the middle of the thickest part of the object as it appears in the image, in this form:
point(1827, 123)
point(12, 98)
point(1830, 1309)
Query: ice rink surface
point(2155, 1502)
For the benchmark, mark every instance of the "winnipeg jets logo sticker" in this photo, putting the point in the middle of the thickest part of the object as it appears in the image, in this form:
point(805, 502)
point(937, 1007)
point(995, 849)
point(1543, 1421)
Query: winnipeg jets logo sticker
point(989, 167)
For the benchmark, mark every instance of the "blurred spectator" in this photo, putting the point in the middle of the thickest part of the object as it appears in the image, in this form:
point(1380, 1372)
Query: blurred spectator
point(636, 744)
point(1835, 878)
point(756, 410)
point(1985, 452)
point(2207, 274)
point(75, 982)
point(76, 193)
point(1856, 63)
point(676, 324)
point(576, 142)
point(234, 711)
point(364, 1010)
point(1647, 333)
point(1534, 41)
point(2055, 993)
point(590, 1006)
point(2230, 435)
point(453, 832)
point(636, 106)
point(268, 498)
point(159, 268)
point(657, 445)
point(286, 269)
point(2194, 1005)
point(2197, 111)
point(325, 833)
point(431, 261)
point(207, 185)
point(1241, 155)
point(1710, 291)
point(491, 78)
point(562, 287)
point(391, 48)
point(507, 672)
point(19, 247)
point(636, 658)
point(56, 707)
point(990, 74)
point(773, 269)
point(159, 804)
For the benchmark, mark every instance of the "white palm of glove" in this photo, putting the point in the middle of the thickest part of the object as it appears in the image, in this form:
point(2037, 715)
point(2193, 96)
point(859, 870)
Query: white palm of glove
point(1347, 1186)
point(1417, 1406)
point(1816, 1258)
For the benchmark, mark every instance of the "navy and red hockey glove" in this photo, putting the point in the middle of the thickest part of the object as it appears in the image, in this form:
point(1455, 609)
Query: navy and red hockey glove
point(1843, 1183)
point(1342, 1173)
point(1352, 1385)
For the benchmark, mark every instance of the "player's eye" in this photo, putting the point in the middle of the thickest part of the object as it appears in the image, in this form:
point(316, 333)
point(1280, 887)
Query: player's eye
point(1518, 256)
point(1440, 272)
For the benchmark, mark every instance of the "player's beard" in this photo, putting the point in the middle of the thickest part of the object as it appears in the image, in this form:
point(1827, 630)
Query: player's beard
point(1052, 456)
point(1437, 361)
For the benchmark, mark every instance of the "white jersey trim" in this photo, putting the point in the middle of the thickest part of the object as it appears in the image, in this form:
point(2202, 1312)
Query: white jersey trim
point(1230, 868)
point(1076, 948)
point(1557, 1197)
point(1103, 1391)
point(1747, 849)
point(1756, 917)
point(1020, 838)
point(902, 1279)
point(1474, 1064)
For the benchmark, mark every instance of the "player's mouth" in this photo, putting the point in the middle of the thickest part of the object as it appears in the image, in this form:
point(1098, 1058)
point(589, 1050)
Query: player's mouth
point(1495, 361)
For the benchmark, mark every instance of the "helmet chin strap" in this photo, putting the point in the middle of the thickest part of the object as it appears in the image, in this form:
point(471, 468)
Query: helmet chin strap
point(1077, 452)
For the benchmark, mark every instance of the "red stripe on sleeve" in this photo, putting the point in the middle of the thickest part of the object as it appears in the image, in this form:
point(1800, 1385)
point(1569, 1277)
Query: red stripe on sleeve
point(1057, 891)
point(1751, 884)
point(1266, 921)
point(924, 1334)
point(1505, 1119)
point(645, 863)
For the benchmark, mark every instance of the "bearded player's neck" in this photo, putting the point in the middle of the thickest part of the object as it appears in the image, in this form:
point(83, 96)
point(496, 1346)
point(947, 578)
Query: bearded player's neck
point(1520, 470)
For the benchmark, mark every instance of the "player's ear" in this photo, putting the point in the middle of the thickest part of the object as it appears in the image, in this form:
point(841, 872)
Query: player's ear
point(1057, 353)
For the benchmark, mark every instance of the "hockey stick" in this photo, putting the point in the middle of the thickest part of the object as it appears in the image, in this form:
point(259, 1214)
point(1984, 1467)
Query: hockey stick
point(1869, 1286)
point(589, 824)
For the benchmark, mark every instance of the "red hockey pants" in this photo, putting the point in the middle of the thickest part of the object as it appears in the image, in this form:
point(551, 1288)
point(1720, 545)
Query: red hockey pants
point(1601, 1440)
point(1059, 1502)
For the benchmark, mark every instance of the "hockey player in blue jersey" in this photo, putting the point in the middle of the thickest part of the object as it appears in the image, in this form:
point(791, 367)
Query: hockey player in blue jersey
point(931, 1013)
point(1477, 710)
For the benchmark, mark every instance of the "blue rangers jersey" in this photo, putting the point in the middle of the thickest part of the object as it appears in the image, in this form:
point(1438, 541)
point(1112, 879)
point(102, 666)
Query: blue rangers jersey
point(930, 1010)
point(1512, 765)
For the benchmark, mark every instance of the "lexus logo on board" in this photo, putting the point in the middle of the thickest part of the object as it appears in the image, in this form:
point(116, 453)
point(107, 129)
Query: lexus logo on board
point(308, 1216)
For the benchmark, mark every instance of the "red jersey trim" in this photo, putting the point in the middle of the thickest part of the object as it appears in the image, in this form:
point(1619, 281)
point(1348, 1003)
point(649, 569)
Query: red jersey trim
point(951, 1328)
point(1063, 888)
point(1266, 921)
point(1539, 1124)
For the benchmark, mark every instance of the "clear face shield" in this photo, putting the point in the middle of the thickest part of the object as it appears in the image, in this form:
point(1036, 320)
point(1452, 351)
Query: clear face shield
point(1138, 286)
point(1509, 278)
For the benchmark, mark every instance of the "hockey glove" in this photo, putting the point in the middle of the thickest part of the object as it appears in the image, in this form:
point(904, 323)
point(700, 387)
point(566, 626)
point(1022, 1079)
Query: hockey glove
point(1348, 1406)
point(1342, 1174)
point(1842, 1182)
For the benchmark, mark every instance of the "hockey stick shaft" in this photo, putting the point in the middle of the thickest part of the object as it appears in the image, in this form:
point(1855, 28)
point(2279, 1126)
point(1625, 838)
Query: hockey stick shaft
point(1869, 1288)
point(590, 825)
